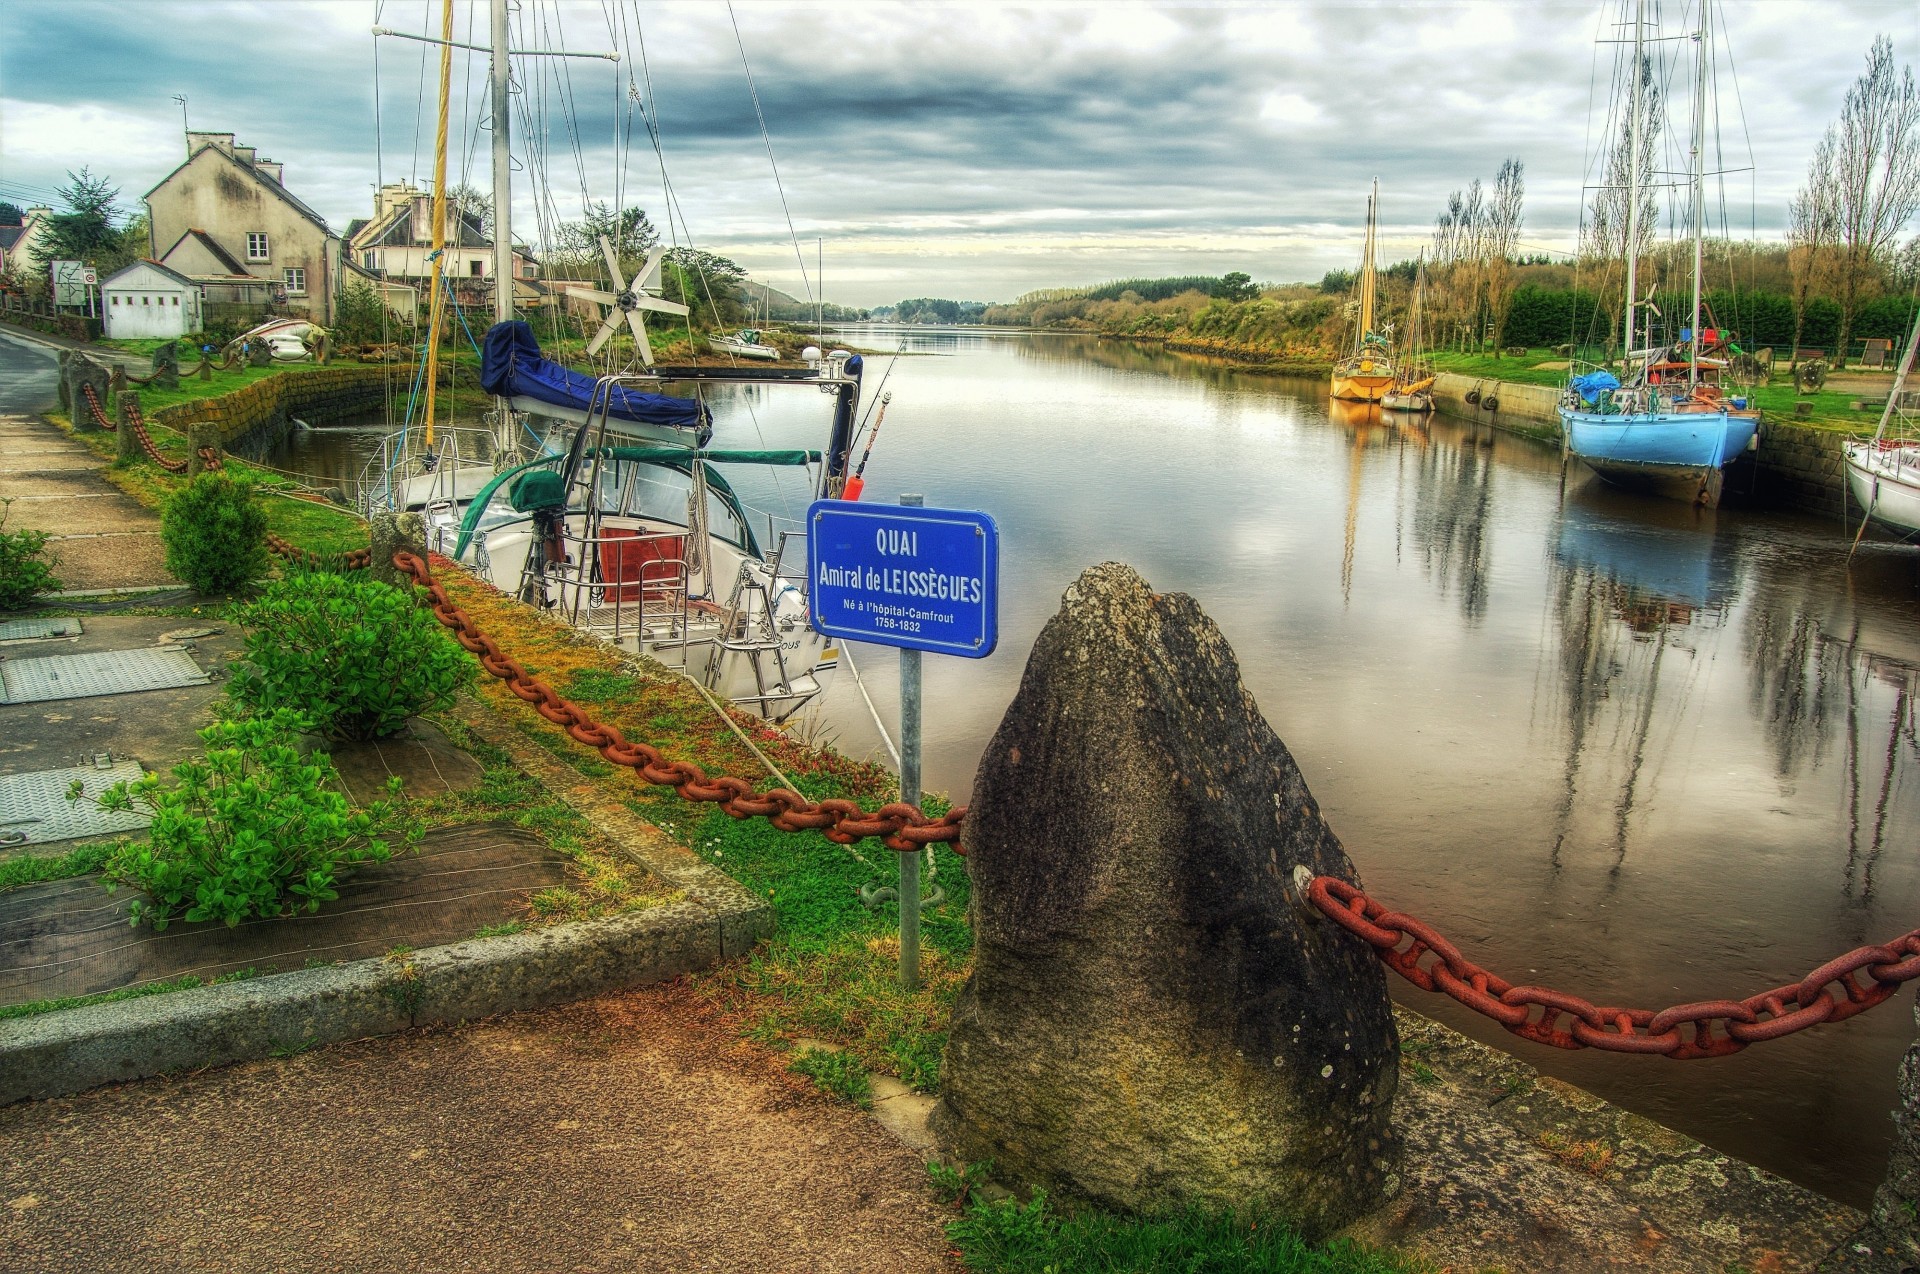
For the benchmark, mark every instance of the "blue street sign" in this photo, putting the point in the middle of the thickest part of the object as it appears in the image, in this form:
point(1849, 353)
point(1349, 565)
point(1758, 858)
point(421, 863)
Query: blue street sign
point(921, 579)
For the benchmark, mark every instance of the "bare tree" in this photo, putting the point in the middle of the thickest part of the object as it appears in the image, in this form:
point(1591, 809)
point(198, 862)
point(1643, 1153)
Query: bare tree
point(1812, 228)
point(1873, 183)
point(1608, 216)
point(1502, 237)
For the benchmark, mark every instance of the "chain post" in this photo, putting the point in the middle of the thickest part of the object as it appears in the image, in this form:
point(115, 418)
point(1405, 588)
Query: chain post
point(910, 794)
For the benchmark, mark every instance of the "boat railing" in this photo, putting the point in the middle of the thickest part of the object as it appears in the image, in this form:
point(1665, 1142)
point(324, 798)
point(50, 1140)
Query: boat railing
point(624, 584)
point(407, 471)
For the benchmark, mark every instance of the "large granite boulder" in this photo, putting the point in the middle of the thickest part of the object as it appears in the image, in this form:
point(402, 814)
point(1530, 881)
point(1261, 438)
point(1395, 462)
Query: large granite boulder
point(1890, 1241)
point(1155, 1017)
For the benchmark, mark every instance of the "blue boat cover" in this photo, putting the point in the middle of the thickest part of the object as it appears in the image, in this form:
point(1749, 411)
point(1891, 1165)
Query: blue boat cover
point(1590, 386)
point(512, 366)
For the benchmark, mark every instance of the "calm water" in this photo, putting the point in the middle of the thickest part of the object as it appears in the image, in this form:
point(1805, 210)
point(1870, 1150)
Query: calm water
point(1641, 753)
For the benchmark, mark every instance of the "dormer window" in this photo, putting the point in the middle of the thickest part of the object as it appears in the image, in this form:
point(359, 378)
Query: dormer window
point(257, 246)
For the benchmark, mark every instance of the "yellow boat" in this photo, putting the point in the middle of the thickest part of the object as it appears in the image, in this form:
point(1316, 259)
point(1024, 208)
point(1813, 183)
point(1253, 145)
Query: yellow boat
point(1367, 373)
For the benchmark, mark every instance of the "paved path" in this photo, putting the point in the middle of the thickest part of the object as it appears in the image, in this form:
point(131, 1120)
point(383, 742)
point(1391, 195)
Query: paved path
point(103, 538)
point(624, 1133)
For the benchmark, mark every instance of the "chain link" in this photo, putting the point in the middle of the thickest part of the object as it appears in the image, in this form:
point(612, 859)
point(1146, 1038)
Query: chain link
point(901, 827)
point(1709, 1028)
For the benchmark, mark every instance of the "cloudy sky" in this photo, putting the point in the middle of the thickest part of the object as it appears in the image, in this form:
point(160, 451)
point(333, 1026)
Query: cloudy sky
point(962, 150)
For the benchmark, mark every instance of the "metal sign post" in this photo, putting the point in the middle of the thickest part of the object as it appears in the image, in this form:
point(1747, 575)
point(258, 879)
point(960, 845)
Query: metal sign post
point(917, 579)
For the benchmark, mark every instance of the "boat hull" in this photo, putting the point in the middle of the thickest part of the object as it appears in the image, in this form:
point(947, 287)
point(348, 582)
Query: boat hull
point(1886, 483)
point(1679, 455)
point(1361, 387)
point(1421, 401)
point(741, 349)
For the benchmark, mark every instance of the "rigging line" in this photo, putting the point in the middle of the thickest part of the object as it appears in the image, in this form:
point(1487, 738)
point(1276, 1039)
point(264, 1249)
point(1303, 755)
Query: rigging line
point(846, 653)
point(760, 115)
point(379, 153)
point(420, 93)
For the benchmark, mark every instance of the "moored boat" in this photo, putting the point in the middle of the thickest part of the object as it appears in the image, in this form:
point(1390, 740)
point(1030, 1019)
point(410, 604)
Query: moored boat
point(1883, 472)
point(743, 344)
point(1366, 374)
point(1665, 425)
point(1412, 388)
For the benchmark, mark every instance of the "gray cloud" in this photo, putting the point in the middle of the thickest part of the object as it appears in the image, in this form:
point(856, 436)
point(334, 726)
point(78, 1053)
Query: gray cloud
point(938, 149)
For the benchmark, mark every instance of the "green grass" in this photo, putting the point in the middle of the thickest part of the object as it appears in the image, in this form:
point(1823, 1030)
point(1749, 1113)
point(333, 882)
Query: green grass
point(835, 1072)
point(33, 869)
point(185, 982)
point(1009, 1237)
point(1518, 370)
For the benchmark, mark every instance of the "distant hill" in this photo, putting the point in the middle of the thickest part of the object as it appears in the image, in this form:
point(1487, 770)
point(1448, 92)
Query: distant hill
point(761, 297)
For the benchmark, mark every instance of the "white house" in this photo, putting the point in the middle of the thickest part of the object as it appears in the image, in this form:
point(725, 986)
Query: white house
point(16, 242)
point(148, 299)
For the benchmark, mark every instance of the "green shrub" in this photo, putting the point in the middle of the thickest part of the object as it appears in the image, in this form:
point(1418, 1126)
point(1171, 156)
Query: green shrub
point(835, 1072)
point(215, 533)
point(354, 656)
point(24, 570)
point(250, 830)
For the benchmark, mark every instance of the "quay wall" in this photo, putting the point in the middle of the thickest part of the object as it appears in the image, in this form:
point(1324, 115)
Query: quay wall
point(1523, 409)
point(252, 419)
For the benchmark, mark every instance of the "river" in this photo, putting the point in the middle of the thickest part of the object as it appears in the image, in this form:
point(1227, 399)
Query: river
point(1638, 752)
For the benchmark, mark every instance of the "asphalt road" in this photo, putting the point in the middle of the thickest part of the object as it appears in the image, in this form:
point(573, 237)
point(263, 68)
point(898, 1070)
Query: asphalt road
point(29, 376)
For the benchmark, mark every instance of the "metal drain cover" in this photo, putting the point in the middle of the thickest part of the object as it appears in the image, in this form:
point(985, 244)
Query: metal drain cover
point(34, 807)
point(110, 672)
point(35, 629)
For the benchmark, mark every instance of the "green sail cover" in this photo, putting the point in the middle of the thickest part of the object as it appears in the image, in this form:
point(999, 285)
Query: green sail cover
point(677, 458)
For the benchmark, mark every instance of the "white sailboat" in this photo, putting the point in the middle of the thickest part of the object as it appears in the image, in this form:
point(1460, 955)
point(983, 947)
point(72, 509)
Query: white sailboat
point(1883, 471)
point(623, 522)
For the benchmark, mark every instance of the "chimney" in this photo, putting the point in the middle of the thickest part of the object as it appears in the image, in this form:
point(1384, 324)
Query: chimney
point(243, 153)
point(270, 168)
point(197, 142)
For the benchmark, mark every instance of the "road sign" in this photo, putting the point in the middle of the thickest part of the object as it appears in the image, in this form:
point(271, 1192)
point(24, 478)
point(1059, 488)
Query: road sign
point(920, 579)
point(69, 283)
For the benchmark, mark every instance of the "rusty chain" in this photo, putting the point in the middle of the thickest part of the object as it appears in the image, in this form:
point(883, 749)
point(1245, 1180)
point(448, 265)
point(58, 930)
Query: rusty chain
point(208, 455)
point(900, 826)
point(1682, 1032)
point(352, 560)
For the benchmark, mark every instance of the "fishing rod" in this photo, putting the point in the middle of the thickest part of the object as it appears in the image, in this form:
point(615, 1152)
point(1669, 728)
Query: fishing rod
point(857, 483)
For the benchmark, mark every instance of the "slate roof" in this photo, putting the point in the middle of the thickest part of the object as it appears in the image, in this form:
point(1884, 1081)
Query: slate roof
point(276, 187)
point(175, 275)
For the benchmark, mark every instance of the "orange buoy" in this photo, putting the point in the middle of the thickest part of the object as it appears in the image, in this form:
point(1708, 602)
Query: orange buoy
point(855, 485)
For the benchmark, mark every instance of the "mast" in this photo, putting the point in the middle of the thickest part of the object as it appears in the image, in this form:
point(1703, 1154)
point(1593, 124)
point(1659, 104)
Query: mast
point(1366, 268)
point(1899, 378)
point(502, 168)
point(1699, 182)
point(1632, 244)
point(436, 306)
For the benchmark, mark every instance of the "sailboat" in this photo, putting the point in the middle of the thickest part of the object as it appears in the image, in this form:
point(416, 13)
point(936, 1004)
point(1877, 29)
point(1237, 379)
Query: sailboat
point(1412, 388)
point(1883, 471)
point(622, 521)
point(1665, 424)
point(1366, 374)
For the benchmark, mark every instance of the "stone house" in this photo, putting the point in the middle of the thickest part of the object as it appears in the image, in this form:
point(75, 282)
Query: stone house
point(396, 245)
point(226, 219)
point(148, 299)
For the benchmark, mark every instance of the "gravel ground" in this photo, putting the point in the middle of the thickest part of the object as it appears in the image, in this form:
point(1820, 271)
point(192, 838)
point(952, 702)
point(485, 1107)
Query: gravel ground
point(623, 1133)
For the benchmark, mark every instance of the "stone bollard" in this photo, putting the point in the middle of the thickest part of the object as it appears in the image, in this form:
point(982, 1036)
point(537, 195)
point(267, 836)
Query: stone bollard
point(1156, 1018)
point(259, 354)
point(83, 371)
point(1889, 1243)
point(165, 373)
point(116, 379)
point(391, 532)
point(201, 437)
point(64, 387)
point(206, 366)
point(126, 407)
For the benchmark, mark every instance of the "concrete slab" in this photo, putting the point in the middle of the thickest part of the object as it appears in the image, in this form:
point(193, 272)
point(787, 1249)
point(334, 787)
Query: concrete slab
point(135, 561)
point(71, 518)
point(155, 727)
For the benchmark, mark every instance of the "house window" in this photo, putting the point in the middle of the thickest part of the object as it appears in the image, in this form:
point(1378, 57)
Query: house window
point(176, 302)
point(296, 281)
point(146, 300)
point(367, 259)
point(473, 268)
point(116, 300)
point(256, 246)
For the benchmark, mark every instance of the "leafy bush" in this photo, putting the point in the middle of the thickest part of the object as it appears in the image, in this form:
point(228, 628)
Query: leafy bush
point(24, 570)
point(354, 656)
point(251, 830)
point(215, 533)
point(835, 1072)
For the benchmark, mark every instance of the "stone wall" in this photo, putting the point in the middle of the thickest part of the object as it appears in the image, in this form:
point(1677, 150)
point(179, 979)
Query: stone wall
point(252, 419)
point(1524, 409)
point(75, 327)
point(1799, 467)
